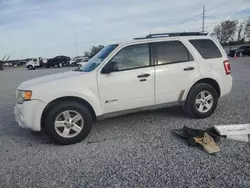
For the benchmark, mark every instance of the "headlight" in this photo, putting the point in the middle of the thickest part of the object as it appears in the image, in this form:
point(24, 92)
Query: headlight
point(22, 96)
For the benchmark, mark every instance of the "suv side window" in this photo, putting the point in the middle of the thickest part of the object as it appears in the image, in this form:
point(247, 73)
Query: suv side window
point(132, 57)
point(206, 48)
point(172, 52)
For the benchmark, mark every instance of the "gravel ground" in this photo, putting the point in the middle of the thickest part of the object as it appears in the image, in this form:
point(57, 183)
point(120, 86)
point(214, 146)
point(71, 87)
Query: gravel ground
point(135, 150)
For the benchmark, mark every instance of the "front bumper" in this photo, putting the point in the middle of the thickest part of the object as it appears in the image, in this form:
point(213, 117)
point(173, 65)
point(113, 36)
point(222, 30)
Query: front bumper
point(28, 114)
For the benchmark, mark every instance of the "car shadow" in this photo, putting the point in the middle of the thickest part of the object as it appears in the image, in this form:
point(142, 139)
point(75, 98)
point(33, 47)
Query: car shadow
point(173, 112)
point(112, 128)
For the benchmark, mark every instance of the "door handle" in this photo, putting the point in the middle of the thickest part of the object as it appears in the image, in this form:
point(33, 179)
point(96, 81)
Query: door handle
point(143, 75)
point(143, 80)
point(188, 69)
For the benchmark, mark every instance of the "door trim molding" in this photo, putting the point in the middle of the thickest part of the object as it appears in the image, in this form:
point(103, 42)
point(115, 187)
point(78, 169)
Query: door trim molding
point(140, 109)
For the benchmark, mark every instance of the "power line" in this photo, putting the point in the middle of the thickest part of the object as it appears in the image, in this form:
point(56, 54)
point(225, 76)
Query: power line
point(204, 11)
point(203, 15)
point(190, 18)
point(221, 4)
point(195, 16)
point(227, 8)
point(234, 18)
point(231, 14)
point(237, 18)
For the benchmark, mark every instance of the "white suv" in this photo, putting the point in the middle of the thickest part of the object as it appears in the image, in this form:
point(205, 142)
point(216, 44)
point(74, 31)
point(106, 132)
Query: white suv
point(187, 69)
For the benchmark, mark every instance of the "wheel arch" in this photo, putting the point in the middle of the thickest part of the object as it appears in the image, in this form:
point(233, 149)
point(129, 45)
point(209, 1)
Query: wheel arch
point(209, 81)
point(67, 98)
point(27, 66)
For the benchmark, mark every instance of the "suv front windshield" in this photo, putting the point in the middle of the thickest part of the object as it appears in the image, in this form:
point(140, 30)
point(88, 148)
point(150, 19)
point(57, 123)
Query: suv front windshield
point(98, 58)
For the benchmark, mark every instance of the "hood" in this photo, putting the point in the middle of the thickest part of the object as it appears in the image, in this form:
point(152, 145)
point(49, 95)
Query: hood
point(50, 78)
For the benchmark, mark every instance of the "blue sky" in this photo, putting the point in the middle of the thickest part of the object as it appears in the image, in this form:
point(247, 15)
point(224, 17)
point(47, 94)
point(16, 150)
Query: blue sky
point(31, 28)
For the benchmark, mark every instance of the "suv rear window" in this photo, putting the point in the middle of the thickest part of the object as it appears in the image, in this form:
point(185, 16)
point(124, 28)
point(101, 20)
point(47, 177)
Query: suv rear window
point(206, 48)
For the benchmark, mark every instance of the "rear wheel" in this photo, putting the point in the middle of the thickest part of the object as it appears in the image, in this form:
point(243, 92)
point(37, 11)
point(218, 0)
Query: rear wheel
point(68, 123)
point(201, 101)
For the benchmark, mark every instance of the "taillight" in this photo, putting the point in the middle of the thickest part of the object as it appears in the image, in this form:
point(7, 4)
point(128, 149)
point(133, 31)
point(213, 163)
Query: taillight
point(227, 67)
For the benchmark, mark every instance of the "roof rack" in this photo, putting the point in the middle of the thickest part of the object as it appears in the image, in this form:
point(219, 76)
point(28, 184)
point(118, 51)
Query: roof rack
point(159, 35)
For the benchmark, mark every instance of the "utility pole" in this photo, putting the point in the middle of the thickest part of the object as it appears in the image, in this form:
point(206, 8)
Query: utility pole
point(203, 19)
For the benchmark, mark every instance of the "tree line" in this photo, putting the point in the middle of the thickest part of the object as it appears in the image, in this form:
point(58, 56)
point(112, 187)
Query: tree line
point(232, 32)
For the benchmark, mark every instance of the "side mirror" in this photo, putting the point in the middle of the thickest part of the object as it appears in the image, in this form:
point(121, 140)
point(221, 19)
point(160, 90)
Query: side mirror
point(110, 67)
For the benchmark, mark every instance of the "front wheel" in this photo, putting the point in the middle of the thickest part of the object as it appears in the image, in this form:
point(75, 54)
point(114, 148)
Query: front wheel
point(30, 67)
point(201, 101)
point(68, 123)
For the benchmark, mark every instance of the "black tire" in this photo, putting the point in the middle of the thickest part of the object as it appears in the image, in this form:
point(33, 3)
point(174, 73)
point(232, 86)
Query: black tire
point(190, 107)
point(30, 67)
point(59, 108)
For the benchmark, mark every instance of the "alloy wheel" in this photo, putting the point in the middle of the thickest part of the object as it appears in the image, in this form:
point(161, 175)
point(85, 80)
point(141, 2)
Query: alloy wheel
point(69, 124)
point(204, 101)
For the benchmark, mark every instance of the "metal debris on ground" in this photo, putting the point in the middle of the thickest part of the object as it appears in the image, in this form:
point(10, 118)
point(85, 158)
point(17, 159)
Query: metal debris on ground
point(208, 139)
point(238, 132)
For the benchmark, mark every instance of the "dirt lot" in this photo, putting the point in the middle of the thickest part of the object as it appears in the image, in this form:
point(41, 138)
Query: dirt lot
point(135, 150)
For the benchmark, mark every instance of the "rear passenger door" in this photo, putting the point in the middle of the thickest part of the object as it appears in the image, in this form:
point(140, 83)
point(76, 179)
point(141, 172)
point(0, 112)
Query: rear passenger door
point(174, 70)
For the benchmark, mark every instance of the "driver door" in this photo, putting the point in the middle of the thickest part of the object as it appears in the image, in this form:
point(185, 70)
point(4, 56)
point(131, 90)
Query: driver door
point(35, 62)
point(132, 84)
